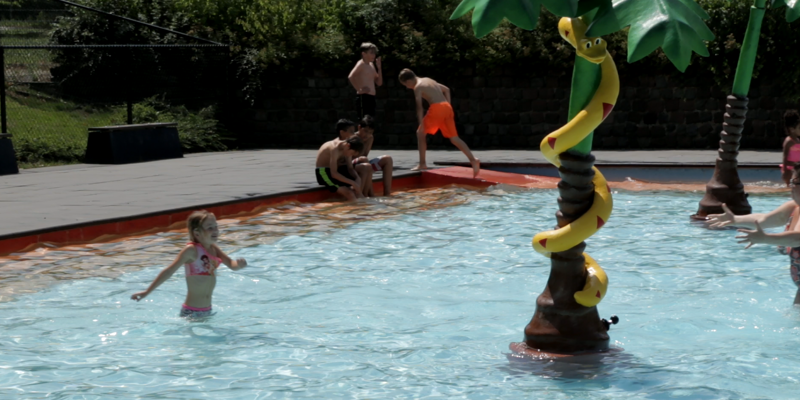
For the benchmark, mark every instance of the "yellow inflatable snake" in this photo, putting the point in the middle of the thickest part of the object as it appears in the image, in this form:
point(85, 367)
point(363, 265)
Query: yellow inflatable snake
point(573, 30)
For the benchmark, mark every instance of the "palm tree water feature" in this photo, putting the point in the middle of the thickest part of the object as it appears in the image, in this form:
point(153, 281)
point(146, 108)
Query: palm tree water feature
point(566, 321)
point(725, 185)
point(584, 207)
point(558, 308)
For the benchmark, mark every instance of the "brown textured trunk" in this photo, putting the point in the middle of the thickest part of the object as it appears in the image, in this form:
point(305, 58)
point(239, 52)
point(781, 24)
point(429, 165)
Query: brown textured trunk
point(561, 325)
point(725, 186)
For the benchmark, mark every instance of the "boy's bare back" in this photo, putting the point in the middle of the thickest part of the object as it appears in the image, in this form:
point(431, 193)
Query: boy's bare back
point(430, 90)
point(328, 150)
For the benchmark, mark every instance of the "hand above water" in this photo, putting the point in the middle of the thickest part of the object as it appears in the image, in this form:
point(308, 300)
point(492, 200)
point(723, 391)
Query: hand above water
point(139, 296)
point(752, 237)
point(721, 220)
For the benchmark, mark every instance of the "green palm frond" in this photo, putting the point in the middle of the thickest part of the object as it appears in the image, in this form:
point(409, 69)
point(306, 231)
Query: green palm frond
point(792, 8)
point(676, 26)
point(487, 14)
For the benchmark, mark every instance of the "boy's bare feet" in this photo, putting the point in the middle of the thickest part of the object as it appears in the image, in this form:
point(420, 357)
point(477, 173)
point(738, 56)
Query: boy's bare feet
point(476, 167)
point(420, 167)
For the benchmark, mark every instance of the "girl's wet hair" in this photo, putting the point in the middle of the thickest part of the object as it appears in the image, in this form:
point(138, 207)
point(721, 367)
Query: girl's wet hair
point(195, 221)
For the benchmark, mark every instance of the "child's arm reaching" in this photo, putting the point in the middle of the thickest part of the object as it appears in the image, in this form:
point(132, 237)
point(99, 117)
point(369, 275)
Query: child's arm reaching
point(756, 236)
point(775, 218)
point(235, 265)
point(188, 254)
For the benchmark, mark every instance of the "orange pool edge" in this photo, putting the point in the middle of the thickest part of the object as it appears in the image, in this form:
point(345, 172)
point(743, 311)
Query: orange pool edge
point(107, 230)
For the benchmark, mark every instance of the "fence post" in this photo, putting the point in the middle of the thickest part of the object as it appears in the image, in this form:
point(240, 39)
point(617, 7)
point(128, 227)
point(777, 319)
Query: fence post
point(3, 91)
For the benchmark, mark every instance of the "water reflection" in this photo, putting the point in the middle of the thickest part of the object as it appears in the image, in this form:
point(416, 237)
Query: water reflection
point(30, 272)
point(588, 366)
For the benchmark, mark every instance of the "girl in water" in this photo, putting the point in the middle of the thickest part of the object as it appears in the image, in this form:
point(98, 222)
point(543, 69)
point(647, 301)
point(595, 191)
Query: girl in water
point(791, 145)
point(787, 214)
point(200, 257)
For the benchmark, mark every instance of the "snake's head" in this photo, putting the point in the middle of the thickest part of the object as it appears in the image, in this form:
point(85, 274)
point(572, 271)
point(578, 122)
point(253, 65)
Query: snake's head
point(592, 49)
point(573, 30)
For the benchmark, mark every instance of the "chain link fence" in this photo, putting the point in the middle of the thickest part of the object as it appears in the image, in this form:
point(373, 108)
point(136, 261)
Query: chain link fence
point(57, 92)
point(52, 94)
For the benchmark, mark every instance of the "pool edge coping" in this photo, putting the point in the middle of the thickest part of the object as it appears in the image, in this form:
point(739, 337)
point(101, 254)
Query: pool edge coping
point(104, 230)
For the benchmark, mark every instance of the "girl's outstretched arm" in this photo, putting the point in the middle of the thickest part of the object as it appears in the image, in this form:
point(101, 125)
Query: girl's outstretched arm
point(756, 236)
point(235, 265)
point(777, 217)
point(187, 255)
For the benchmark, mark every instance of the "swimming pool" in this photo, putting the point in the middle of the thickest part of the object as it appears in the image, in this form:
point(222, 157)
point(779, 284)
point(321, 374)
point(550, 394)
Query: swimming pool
point(415, 297)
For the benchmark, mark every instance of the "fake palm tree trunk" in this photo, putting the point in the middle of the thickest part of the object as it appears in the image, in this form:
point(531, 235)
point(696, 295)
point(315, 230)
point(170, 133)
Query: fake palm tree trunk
point(560, 324)
point(725, 185)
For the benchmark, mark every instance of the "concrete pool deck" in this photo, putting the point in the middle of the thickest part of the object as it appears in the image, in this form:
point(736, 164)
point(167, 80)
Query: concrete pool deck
point(42, 200)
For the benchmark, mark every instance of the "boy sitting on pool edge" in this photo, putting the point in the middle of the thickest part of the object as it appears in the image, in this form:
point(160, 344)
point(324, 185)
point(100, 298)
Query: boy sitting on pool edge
point(366, 129)
point(334, 166)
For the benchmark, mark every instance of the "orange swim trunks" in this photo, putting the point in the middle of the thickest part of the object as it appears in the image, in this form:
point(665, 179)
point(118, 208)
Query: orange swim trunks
point(440, 117)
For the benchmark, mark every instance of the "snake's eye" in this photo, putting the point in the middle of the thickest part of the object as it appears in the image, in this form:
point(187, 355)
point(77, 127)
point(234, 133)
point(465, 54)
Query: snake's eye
point(597, 41)
point(588, 44)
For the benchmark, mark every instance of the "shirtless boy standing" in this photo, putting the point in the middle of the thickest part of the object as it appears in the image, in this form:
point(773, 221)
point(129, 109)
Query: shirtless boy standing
point(364, 77)
point(440, 116)
point(334, 168)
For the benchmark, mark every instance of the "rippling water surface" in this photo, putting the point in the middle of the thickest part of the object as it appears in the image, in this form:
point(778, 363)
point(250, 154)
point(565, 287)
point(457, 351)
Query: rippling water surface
point(414, 297)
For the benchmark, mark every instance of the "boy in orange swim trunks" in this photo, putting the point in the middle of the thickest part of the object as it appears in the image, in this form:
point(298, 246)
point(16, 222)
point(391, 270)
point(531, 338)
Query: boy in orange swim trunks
point(439, 117)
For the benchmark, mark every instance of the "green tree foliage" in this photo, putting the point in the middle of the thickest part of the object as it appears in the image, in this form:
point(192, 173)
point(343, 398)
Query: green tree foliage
point(198, 131)
point(777, 54)
point(117, 74)
point(274, 38)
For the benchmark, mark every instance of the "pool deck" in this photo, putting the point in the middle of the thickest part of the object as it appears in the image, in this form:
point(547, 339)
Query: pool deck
point(46, 199)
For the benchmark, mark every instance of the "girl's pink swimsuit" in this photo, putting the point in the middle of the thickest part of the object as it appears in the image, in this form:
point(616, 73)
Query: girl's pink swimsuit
point(201, 266)
point(792, 158)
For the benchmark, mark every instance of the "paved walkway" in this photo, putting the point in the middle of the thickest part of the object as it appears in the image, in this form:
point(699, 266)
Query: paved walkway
point(51, 197)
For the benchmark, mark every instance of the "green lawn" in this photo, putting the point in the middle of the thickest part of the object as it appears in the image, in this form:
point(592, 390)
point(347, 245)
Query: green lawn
point(33, 115)
point(53, 129)
point(52, 124)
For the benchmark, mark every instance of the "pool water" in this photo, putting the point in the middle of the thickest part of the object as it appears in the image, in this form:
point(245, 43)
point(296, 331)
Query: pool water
point(415, 297)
